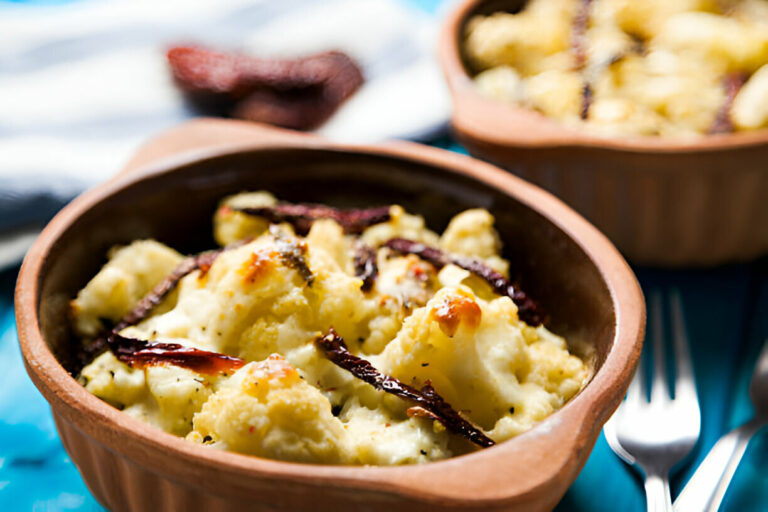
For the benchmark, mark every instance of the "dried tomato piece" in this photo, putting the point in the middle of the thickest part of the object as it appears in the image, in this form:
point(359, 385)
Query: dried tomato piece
point(428, 403)
point(579, 33)
point(579, 43)
point(366, 267)
point(302, 216)
point(151, 300)
point(293, 253)
point(732, 84)
point(138, 353)
point(527, 309)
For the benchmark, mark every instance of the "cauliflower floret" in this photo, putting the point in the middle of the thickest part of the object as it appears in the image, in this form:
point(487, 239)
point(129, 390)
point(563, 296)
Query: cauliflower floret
point(750, 107)
point(379, 439)
point(645, 18)
point(400, 225)
point(408, 279)
point(131, 272)
point(483, 360)
point(230, 226)
point(556, 94)
point(328, 236)
point(522, 40)
point(501, 83)
point(664, 82)
point(730, 44)
point(471, 233)
point(621, 116)
point(114, 381)
point(166, 396)
point(451, 341)
point(266, 409)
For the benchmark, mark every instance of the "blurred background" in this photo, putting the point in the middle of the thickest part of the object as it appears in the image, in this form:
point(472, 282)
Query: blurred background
point(83, 83)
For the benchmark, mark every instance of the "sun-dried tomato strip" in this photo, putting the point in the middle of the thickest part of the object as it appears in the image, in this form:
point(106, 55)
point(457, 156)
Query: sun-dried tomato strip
point(151, 300)
point(138, 353)
point(302, 216)
point(527, 309)
point(732, 84)
point(579, 44)
point(293, 252)
point(586, 100)
point(579, 33)
point(366, 267)
point(334, 348)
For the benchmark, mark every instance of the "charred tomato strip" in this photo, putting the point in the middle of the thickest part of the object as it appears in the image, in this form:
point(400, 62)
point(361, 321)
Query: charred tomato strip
point(140, 354)
point(579, 33)
point(202, 262)
point(302, 216)
point(293, 253)
point(586, 100)
point(732, 84)
point(333, 347)
point(151, 300)
point(528, 310)
point(366, 267)
point(579, 45)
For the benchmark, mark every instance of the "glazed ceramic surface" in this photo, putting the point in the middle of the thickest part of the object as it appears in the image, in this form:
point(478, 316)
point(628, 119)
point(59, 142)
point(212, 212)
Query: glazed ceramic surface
point(698, 201)
point(564, 262)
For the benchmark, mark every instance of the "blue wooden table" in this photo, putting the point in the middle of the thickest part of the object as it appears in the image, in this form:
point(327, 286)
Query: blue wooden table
point(726, 312)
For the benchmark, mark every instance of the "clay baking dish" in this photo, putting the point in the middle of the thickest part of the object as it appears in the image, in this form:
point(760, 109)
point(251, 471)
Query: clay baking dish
point(661, 201)
point(580, 278)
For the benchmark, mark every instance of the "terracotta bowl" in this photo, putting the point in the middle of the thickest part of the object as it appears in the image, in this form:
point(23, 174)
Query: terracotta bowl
point(567, 264)
point(661, 201)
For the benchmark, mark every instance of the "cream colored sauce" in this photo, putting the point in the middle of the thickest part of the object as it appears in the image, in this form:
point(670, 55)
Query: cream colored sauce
point(289, 402)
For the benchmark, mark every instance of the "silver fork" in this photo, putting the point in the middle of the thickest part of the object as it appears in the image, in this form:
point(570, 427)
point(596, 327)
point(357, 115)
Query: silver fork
point(658, 434)
point(706, 488)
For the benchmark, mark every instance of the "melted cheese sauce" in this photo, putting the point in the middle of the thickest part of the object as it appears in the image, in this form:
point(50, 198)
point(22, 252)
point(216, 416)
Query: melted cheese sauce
point(289, 402)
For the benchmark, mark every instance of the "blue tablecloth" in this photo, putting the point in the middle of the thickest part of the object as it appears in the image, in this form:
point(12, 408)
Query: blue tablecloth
point(727, 317)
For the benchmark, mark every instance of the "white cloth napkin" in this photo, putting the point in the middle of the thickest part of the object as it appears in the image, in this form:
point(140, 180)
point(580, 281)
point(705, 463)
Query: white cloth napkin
point(83, 84)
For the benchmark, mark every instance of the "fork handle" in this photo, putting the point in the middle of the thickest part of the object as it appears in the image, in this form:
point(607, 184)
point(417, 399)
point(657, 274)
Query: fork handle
point(657, 492)
point(706, 488)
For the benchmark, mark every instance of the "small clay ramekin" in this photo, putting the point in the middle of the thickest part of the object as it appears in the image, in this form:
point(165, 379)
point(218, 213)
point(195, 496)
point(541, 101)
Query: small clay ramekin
point(662, 201)
point(573, 270)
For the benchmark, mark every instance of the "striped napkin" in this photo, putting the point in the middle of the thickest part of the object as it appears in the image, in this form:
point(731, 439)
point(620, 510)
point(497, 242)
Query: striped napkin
point(83, 84)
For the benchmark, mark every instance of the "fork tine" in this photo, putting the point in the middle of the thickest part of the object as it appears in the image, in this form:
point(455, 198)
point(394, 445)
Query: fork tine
point(659, 383)
point(636, 394)
point(685, 384)
point(635, 399)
